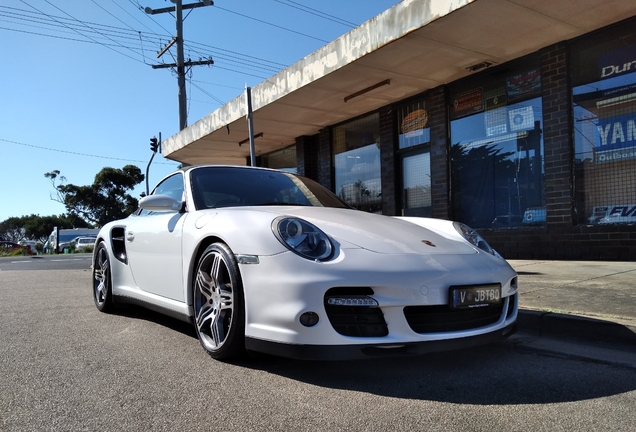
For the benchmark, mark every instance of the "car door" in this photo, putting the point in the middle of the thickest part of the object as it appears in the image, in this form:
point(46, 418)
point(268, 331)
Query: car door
point(153, 242)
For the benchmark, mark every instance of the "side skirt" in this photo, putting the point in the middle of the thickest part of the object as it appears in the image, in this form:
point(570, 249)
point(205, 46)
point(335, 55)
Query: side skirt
point(120, 299)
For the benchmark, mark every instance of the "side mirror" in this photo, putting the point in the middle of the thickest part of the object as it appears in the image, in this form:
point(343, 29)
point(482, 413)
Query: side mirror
point(160, 203)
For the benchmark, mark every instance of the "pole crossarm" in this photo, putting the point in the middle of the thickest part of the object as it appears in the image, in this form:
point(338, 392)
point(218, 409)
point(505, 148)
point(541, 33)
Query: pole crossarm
point(151, 11)
point(188, 63)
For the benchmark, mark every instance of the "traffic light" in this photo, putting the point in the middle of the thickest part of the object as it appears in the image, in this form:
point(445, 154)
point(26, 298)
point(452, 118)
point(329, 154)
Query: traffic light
point(154, 144)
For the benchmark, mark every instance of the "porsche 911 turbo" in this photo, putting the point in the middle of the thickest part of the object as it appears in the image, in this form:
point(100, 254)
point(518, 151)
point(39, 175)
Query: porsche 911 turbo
point(267, 261)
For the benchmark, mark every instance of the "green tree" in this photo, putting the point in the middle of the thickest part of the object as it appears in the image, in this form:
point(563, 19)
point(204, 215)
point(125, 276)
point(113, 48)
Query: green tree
point(36, 227)
point(12, 229)
point(39, 228)
point(105, 200)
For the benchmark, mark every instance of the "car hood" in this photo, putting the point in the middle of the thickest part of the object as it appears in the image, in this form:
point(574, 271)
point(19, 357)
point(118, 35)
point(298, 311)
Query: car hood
point(382, 234)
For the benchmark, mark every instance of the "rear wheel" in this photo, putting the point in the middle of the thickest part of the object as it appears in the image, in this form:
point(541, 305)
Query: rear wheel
point(102, 281)
point(219, 309)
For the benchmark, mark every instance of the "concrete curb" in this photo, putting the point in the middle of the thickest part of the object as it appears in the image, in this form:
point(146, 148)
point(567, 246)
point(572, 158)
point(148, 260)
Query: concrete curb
point(556, 325)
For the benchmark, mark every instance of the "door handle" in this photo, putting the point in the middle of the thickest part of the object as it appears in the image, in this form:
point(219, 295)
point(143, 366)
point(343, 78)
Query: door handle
point(130, 236)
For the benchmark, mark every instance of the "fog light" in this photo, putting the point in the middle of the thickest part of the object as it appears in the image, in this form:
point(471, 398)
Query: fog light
point(309, 319)
point(352, 301)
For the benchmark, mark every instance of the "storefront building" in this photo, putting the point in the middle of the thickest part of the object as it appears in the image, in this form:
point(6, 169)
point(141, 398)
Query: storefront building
point(538, 153)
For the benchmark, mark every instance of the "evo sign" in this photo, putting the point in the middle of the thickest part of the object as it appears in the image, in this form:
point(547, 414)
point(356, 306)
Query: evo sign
point(615, 213)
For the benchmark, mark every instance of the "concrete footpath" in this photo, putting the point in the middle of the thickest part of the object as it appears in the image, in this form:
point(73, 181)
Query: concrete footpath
point(574, 302)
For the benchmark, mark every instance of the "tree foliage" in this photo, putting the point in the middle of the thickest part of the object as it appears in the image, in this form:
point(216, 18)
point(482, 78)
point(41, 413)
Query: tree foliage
point(105, 200)
point(36, 227)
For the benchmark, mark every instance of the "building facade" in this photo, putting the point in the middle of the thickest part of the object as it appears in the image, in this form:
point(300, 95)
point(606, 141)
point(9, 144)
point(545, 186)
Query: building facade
point(538, 153)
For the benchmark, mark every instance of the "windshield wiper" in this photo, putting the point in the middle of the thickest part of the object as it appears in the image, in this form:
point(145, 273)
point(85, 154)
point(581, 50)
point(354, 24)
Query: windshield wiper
point(278, 203)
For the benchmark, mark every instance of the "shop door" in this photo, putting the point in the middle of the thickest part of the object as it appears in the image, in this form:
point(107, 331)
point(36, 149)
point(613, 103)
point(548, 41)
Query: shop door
point(416, 184)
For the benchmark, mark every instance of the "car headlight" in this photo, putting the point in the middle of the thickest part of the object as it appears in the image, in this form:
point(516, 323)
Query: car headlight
point(302, 238)
point(474, 238)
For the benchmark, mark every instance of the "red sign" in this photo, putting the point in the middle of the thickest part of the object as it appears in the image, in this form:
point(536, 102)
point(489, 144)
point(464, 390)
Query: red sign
point(469, 102)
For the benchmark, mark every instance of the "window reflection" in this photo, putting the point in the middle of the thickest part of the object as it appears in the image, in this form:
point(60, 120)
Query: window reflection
point(357, 163)
point(497, 166)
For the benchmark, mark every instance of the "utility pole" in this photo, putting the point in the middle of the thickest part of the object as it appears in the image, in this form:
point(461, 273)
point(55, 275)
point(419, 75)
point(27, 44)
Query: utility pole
point(250, 124)
point(181, 64)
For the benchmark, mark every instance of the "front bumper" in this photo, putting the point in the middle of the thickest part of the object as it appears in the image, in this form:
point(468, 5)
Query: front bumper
point(283, 287)
point(366, 351)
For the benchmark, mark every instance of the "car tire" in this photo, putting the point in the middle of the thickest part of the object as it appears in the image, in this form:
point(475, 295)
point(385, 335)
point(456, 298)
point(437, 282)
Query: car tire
point(102, 280)
point(219, 311)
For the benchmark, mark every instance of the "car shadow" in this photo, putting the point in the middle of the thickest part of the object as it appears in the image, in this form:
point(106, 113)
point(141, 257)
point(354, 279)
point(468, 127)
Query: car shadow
point(137, 312)
point(496, 374)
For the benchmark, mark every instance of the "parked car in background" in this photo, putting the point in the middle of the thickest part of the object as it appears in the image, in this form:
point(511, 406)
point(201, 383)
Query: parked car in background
point(82, 243)
point(77, 244)
point(60, 239)
point(29, 243)
point(10, 248)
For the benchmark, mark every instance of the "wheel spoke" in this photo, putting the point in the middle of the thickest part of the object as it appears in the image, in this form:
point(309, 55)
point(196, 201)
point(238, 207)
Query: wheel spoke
point(204, 285)
point(216, 268)
point(100, 292)
point(218, 330)
point(204, 317)
point(226, 297)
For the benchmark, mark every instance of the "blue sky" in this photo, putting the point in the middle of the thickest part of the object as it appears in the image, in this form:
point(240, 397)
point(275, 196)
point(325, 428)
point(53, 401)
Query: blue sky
point(77, 92)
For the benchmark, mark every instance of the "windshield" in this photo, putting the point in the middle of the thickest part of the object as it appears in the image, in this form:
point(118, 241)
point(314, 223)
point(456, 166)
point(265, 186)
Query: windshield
point(214, 187)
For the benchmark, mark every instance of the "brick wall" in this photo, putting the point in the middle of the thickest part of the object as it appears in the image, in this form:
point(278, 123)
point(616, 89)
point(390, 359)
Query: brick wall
point(387, 156)
point(438, 124)
point(324, 173)
point(307, 149)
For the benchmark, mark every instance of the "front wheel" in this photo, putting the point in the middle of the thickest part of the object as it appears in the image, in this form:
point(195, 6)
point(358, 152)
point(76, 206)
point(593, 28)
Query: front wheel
point(219, 310)
point(102, 281)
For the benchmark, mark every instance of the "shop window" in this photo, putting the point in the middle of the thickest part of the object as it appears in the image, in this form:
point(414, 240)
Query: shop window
point(497, 172)
point(604, 107)
point(414, 153)
point(356, 149)
point(284, 160)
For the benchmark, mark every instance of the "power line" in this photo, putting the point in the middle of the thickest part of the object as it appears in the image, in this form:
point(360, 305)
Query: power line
point(117, 18)
point(317, 13)
point(138, 6)
point(83, 23)
point(270, 24)
point(76, 153)
point(113, 37)
point(202, 49)
point(80, 33)
point(128, 13)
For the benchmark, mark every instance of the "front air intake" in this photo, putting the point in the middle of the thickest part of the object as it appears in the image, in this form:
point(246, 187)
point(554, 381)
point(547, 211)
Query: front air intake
point(353, 312)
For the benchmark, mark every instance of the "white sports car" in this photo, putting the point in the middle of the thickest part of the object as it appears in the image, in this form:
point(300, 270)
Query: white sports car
point(266, 261)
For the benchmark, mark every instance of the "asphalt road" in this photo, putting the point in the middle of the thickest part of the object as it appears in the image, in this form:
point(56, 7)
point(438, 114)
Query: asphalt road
point(66, 367)
point(46, 262)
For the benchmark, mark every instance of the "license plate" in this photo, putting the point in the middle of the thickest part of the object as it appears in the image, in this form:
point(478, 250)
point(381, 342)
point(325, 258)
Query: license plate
point(475, 296)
